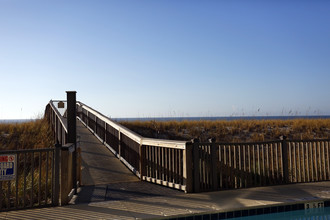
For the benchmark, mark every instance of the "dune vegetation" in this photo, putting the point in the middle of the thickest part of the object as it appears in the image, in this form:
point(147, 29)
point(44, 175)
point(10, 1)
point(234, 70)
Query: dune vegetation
point(35, 134)
point(233, 131)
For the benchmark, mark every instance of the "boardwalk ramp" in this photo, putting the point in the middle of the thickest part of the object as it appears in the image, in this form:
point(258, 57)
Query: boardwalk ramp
point(105, 177)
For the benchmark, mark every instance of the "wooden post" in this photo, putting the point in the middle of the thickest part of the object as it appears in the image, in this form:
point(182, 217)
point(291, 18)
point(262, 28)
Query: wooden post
point(196, 165)
point(285, 160)
point(119, 144)
point(64, 188)
point(214, 161)
point(142, 161)
point(57, 174)
point(188, 167)
point(72, 133)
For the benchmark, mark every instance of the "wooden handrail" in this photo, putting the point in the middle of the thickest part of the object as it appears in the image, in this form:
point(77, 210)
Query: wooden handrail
point(134, 136)
point(58, 115)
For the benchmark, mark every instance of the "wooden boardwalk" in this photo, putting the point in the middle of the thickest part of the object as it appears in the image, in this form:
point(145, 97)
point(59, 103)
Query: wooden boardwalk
point(110, 191)
point(105, 177)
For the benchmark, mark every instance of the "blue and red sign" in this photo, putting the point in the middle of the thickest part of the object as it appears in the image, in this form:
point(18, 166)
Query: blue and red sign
point(7, 167)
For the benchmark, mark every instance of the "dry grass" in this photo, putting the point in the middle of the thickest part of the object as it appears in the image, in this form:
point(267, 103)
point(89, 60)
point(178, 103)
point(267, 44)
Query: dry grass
point(29, 135)
point(233, 131)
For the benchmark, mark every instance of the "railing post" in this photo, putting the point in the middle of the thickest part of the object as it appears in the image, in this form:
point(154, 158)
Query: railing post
point(119, 144)
point(214, 167)
point(142, 161)
point(285, 160)
point(72, 132)
point(188, 167)
point(196, 165)
point(64, 187)
point(57, 174)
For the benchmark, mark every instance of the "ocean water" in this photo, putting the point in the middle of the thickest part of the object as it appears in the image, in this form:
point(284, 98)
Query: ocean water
point(14, 121)
point(223, 118)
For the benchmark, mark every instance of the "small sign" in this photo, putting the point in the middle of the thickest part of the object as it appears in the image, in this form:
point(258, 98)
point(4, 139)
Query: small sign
point(60, 104)
point(8, 168)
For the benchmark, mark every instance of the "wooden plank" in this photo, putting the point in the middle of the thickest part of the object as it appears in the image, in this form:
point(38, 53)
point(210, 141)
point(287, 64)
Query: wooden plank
point(315, 162)
point(244, 166)
point(319, 159)
point(163, 163)
point(226, 169)
point(239, 167)
point(32, 178)
point(254, 166)
point(196, 162)
point(214, 160)
point(187, 167)
point(234, 165)
point(249, 167)
point(303, 161)
point(230, 166)
point(323, 161)
point(221, 166)
point(263, 175)
point(307, 161)
point(272, 174)
point(298, 162)
point(328, 158)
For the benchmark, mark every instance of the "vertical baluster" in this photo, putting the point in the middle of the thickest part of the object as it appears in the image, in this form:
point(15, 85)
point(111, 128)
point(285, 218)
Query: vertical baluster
point(40, 165)
point(163, 164)
point(24, 188)
point(32, 177)
point(254, 165)
point(46, 180)
point(315, 161)
point(263, 175)
point(17, 178)
point(307, 160)
point(53, 175)
point(221, 166)
point(259, 164)
point(240, 177)
point(277, 163)
point(272, 177)
point(319, 158)
point(303, 161)
point(245, 176)
point(249, 166)
point(328, 158)
point(298, 162)
point(323, 161)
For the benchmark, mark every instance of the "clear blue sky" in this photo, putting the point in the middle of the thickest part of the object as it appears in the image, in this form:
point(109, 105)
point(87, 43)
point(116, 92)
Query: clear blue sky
point(166, 58)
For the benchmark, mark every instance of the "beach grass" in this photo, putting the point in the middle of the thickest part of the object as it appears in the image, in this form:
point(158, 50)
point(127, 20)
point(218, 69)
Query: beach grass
point(34, 134)
point(233, 131)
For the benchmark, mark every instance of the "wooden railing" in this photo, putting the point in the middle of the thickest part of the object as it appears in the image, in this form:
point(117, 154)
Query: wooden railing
point(159, 161)
point(308, 161)
point(57, 122)
point(195, 167)
point(220, 166)
point(69, 156)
